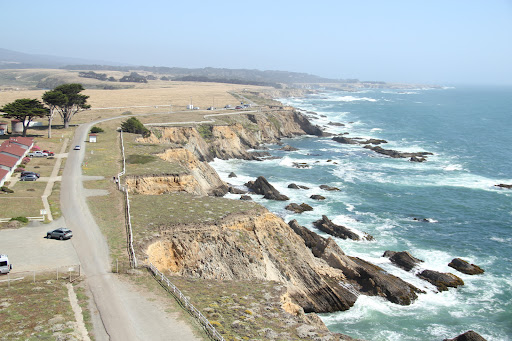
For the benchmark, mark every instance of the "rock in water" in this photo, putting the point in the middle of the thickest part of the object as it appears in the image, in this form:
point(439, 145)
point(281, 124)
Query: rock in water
point(464, 267)
point(293, 186)
point(361, 276)
point(298, 208)
point(504, 186)
point(402, 259)
point(442, 280)
point(262, 186)
point(234, 190)
point(467, 336)
point(245, 197)
point(317, 197)
point(288, 148)
point(232, 175)
point(339, 231)
point(329, 188)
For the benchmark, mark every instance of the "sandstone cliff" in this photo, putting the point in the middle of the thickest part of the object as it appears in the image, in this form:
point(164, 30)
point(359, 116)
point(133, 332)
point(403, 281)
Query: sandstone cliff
point(200, 179)
point(231, 136)
point(259, 247)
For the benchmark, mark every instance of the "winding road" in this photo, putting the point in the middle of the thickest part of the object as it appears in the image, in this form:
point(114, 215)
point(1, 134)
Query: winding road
point(124, 311)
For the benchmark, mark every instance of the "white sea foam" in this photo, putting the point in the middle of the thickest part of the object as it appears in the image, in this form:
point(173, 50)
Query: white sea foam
point(353, 99)
point(453, 167)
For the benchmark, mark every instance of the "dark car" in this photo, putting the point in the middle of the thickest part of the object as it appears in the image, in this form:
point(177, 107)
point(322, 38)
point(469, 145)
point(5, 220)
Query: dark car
point(29, 177)
point(24, 173)
point(60, 233)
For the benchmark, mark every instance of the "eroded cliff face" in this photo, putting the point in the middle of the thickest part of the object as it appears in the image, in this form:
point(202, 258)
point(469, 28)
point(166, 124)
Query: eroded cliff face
point(232, 140)
point(201, 178)
point(260, 247)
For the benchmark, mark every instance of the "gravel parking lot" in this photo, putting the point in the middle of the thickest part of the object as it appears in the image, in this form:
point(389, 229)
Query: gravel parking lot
point(28, 249)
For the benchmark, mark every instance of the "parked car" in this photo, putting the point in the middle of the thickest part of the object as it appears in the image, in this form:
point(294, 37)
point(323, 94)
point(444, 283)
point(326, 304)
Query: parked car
point(50, 153)
point(24, 173)
point(28, 177)
point(238, 107)
point(60, 233)
point(5, 266)
point(76, 148)
point(37, 153)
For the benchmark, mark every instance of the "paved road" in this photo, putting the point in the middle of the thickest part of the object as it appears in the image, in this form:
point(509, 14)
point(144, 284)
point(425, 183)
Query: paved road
point(125, 313)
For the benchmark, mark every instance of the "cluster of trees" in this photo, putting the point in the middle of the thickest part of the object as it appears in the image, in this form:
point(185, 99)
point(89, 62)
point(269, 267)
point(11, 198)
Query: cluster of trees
point(134, 77)
point(99, 76)
point(65, 99)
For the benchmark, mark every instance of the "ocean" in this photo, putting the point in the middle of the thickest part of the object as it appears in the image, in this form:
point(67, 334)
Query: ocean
point(437, 210)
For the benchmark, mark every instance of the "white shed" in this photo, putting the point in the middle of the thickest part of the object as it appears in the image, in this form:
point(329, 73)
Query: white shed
point(92, 137)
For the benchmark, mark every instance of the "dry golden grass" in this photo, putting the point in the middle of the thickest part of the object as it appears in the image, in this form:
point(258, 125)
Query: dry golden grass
point(154, 96)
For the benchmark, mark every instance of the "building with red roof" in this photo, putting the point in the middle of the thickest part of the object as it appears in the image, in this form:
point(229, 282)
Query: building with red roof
point(11, 149)
point(3, 176)
point(23, 142)
point(8, 162)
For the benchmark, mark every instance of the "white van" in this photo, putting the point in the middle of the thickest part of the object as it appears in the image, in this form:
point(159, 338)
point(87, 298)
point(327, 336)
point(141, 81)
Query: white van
point(5, 266)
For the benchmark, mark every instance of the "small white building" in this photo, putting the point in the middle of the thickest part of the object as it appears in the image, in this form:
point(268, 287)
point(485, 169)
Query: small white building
point(92, 137)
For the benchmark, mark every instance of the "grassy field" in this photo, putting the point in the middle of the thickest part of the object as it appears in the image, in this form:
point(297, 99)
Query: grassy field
point(150, 212)
point(36, 311)
point(241, 310)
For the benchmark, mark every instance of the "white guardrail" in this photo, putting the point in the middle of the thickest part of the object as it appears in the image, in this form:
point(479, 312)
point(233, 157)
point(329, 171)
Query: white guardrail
point(186, 303)
point(131, 251)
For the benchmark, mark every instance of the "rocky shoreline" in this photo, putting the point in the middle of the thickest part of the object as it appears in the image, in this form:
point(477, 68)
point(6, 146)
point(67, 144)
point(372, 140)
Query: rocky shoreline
point(318, 275)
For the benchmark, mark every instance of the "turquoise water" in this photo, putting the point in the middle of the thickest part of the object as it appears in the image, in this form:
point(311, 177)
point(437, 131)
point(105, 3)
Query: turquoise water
point(470, 132)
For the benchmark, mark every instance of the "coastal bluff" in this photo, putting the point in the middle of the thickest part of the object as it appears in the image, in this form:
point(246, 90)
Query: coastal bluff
point(255, 244)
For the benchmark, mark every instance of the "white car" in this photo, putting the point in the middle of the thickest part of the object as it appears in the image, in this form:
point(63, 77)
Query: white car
point(5, 266)
point(76, 148)
point(37, 153)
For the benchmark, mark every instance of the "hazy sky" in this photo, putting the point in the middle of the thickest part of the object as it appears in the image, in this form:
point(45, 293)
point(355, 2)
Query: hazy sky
point(449, 41)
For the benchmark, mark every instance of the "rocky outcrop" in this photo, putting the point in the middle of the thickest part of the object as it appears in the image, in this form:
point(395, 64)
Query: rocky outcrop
point(245, 197)
point(298, 208)
point(357, 140)
point(396, 154)
point(295, 186)
point(329, 188)
point(339, 231)
point(234, 190)
point(288, 148)
point(361, 276)
point(317, 197)
point(442, 280)
point(465, 267)
point(234, 139)
point(262, 186)
point(467, 336)
point(504, 186)
point(232, 175)
point(256, 246)
point(402, 259)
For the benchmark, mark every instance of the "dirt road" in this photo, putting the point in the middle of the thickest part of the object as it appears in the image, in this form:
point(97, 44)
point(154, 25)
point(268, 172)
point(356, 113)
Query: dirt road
point(125, 314)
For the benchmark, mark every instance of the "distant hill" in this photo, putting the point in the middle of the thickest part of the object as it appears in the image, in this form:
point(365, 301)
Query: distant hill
point(18, 60)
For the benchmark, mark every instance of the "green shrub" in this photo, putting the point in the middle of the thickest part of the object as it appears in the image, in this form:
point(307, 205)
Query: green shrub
point(6, 189)
point(205, 131)
point(133, 125)
point(20, 219)
point(95, 130)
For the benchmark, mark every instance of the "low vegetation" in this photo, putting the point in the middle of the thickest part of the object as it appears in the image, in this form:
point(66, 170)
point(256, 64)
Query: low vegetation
point(35, 311)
